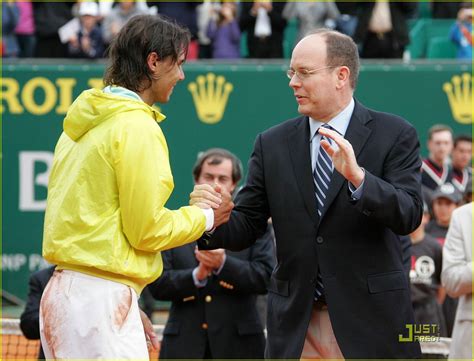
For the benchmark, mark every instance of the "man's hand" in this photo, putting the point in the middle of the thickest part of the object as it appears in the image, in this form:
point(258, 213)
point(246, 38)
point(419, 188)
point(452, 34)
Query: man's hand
point(211, 259)
point(86, 44)
point(152, 339)
point(74, 42)
point(254, 9)
point(202, 272)
point(205, 196)
point(267, 5)
point(222, 214)
point(343, 157)
point(115, 28)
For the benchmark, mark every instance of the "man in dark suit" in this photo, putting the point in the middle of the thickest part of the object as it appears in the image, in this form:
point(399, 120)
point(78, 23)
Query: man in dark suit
point(29, 319)
point(339, 287)
point(214, 293)
point(382, 28)
point(263, 44)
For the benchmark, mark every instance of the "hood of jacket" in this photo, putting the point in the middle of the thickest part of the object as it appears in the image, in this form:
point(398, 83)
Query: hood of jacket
point(94, 107)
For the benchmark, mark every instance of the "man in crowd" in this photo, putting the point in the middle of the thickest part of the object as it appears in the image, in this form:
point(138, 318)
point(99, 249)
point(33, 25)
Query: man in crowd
point(435, 169)
point(427, 295)
point(264, 24)
point(461, 162)
point(382, 28)
point(445, 200)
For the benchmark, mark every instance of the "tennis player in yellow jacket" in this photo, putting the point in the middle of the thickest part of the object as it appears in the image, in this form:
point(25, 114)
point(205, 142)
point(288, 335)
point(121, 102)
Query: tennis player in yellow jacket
point(106, 220)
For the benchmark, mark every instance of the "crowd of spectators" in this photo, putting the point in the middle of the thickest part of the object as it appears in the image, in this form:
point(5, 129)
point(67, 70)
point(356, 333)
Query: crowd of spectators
point(447, 185)
point(220, 28)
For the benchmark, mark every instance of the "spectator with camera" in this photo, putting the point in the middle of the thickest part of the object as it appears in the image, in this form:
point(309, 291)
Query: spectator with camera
point(87, 42)
point(224, 32)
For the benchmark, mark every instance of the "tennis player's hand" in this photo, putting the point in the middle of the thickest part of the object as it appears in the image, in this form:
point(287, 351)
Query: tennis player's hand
point(205, 196)
point(152, 340)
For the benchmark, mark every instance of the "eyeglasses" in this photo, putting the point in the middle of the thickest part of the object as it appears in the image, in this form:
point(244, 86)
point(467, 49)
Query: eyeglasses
point(304, 73)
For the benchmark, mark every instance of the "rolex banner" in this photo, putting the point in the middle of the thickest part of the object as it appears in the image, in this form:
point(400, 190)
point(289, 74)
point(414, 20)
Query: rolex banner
point(221, 105)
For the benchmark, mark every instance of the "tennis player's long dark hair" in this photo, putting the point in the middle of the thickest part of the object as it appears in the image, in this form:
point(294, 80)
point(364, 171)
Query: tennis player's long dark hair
point(142, 35)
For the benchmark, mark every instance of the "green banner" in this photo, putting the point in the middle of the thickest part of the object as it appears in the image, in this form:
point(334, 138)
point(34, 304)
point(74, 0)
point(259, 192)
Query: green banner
point(217, 105)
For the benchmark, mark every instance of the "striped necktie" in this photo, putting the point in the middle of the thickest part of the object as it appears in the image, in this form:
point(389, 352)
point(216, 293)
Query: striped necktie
point(322, 174)
point(322, 177)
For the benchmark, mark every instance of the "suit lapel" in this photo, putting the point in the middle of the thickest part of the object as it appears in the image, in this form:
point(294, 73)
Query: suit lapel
point(298, 145)
point(357, 134)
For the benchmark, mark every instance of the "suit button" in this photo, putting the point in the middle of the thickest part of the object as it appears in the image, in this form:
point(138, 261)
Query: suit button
point(204, 326)
point(208, 298)
point(319, 239)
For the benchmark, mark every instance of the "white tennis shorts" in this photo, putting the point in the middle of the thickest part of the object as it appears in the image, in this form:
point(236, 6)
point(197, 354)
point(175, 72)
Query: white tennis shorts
point(86, 317)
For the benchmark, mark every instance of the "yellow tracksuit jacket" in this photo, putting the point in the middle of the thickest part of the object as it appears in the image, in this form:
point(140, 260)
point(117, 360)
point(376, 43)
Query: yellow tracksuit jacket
point(107, 192)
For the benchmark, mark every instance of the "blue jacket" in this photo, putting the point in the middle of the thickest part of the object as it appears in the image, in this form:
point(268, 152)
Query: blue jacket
point(462, 44)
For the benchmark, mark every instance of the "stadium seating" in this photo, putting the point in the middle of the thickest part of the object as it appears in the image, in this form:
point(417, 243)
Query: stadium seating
point(424, 9)
point(422, 33)
point(441, 47)
point(289, 38)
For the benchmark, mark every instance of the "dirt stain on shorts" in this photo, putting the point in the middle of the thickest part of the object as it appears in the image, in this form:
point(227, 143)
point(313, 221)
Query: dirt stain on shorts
point(50, 312)
point(123, 308)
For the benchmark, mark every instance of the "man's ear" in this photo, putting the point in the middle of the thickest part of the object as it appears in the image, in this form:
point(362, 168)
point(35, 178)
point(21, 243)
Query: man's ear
point(343, 76)
point(152, 61)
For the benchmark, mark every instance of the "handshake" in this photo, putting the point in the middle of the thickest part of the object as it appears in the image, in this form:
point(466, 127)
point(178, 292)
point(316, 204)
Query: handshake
point(206, 196)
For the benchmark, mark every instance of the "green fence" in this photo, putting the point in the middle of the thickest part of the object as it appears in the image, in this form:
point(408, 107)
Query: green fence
point(243, 100)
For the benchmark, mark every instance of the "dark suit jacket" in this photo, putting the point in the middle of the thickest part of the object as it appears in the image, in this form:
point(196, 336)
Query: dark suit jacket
point(272, 47)
point(399, 12)
point(355, 244)
point(29, 319)
point(227, 304)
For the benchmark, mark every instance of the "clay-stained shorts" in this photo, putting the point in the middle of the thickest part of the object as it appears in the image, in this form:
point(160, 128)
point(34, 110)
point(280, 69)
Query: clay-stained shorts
point(85, 317)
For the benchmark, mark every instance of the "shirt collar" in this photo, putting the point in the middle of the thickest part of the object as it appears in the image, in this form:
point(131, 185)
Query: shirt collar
point(127, 93)
point(340, 122)
point(124, 92)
